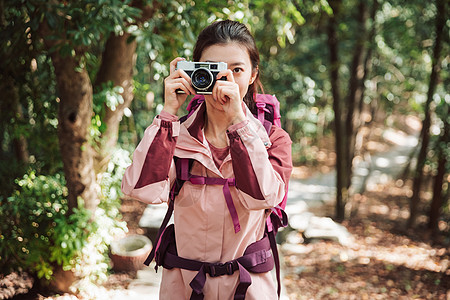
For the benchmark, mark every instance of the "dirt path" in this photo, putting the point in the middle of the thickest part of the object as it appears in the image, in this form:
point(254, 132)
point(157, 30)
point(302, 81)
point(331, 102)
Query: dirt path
point(383, 262)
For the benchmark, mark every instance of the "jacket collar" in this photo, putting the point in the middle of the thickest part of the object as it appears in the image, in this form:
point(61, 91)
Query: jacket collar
point(196, 122)
point(192, 142)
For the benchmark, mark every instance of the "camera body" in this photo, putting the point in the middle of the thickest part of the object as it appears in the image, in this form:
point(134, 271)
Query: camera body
point(203, 74)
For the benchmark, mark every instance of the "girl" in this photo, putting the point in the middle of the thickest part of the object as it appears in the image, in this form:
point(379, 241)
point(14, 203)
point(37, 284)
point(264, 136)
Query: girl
point(218, 227)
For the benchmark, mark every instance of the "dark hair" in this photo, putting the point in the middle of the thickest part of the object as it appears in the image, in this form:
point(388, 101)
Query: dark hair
point(223, 32)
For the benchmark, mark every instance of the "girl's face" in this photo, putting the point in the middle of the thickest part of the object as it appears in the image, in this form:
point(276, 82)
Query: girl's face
point(238, 61)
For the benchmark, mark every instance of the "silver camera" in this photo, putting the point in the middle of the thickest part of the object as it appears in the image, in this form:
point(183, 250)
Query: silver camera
point(203, 74)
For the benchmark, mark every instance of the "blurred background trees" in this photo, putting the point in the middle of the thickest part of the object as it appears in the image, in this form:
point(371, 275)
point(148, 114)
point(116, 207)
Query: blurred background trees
point(82, 80)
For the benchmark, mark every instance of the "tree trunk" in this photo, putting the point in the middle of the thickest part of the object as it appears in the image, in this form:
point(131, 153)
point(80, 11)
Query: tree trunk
point(438, 197)
point(20, 144)
point(425, 134)
point(341, 163)
point(357, 71)
point(75, 110)
point(367, 69)
point(118, 61)
point(74, 118)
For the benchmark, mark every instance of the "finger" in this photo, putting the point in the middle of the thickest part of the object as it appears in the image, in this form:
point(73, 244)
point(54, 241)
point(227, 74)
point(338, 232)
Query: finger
point(175, 82)
point(179, 86)
point(178, 74)
point(218, 94)
point(188, 81)
point(221, 95)
point(173, 64)
point(226, 73)
point(181, 74)
point(188, 85)
point(217, 90)
point(224, 94)
point(231, 89)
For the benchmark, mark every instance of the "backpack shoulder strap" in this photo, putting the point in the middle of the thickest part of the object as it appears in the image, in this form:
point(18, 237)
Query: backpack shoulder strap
point(192, 106)
point(182, 166)
point(268, 108)
point(273, 222)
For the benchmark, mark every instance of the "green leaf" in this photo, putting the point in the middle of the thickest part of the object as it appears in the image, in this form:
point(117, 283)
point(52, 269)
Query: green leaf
point(51, 19)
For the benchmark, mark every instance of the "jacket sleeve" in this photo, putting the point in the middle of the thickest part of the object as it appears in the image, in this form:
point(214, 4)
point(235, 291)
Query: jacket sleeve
point(148, 177)
point(261, 169)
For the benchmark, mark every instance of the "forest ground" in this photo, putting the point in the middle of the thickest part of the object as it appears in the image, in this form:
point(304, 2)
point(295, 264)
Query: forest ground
point(385, 260)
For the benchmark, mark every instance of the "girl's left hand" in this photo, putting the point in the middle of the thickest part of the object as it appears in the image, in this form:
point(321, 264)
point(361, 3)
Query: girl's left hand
point(226, 93)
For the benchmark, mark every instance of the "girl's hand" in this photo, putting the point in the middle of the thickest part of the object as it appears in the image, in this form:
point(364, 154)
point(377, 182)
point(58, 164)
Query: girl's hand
point(177, 80)
point(226, 93)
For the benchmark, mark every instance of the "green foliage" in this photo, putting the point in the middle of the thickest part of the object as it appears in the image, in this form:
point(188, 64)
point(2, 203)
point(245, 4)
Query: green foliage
point(107, 96)
point(38, 234)
point(84, 23)
point(111, 181)
point(92, 264)
point(38, 228)
point(28, 109)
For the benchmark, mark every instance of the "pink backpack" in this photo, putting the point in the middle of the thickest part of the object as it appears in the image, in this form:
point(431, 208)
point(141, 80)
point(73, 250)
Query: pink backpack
point(268, 113)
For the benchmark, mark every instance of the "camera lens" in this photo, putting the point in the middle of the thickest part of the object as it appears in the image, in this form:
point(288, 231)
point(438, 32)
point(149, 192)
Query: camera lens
point(201, 79)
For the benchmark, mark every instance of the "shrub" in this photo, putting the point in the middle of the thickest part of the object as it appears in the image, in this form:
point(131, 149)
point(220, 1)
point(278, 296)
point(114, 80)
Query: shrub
point(36, 230)
point(38, 234)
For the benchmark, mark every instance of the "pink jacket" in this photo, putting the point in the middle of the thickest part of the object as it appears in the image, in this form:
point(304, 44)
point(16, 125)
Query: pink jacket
point(261, 165)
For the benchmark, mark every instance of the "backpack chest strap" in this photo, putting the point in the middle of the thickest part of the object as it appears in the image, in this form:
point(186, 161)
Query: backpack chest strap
point(184, 174)
point(226, 182)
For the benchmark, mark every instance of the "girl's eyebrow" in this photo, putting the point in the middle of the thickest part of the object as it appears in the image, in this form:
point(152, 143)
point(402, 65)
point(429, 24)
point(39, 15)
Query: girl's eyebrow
point(238, 63)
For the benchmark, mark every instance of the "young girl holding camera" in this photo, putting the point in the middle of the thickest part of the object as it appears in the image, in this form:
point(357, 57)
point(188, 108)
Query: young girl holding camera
point(219, 228)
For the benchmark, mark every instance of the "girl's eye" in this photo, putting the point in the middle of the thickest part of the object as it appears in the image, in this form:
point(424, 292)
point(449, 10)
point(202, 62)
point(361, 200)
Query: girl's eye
point(237, 70)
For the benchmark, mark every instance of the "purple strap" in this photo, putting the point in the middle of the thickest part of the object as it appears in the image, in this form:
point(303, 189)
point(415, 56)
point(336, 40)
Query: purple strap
point(245, 281)
point(282, 220)
point(243, 263)
point(267, 125)
point(226, 182)
point(160, 232)
point(273, 245)
point(184, 169)
point(197, 284)
point(257, 258)
point(261, 108)
point(194, 103)
point(201, 180)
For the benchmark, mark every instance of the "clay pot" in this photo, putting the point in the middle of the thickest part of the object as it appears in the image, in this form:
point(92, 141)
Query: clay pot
point(130, 252)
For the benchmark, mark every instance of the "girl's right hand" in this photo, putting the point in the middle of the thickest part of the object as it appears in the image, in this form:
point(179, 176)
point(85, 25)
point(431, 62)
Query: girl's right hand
point(177, 80)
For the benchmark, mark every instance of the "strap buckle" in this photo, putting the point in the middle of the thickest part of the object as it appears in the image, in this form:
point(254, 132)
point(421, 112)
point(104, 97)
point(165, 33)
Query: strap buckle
point(219, 269)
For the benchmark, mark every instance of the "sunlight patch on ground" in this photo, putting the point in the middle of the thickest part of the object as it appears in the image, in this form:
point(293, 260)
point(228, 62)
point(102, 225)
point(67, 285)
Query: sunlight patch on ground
point(411, 256)
point(400, 138)
point(382, 162)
